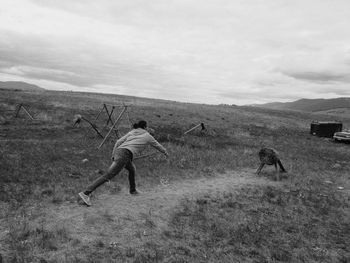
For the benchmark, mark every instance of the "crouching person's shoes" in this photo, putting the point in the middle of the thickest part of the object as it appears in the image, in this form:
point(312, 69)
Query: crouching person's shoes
point(85, 198)
point(135, 192)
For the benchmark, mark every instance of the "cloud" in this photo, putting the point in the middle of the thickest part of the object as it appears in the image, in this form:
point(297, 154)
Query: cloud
point(218, 51)
point(328, 65)
point(295, 75)
point(284, 93)
point(320, 77)
point(38, 72)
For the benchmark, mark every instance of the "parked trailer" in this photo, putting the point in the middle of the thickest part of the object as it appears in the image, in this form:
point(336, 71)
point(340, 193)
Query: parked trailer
point(325, 129)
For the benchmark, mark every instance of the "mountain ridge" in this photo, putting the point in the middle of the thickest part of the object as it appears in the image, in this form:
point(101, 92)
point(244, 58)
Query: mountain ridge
point(310, 105)
point(19, 85)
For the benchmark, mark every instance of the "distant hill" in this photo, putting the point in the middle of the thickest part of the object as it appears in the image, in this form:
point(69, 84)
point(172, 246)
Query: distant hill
point(19, 85)
point(311, 105)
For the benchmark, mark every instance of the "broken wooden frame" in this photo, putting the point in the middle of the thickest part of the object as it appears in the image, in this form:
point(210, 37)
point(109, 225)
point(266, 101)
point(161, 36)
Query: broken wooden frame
point(115, 124)
point(19, 107)
point(195, 127)
point(93, 126)
point(78, 118)
point(108, 112)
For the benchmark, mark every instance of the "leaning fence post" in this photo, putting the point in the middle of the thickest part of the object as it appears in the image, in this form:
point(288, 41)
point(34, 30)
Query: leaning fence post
point(195, 127)
point(30, 116)
point(20, 106)
point(111, 129)
point(17, 110)
point(98, 115)
point(93, 126)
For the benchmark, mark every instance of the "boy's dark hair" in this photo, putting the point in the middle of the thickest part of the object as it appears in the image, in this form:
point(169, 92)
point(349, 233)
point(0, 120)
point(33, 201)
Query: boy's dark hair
point(141, 124)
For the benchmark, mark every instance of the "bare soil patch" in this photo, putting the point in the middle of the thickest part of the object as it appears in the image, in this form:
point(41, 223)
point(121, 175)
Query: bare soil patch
point(126, 219)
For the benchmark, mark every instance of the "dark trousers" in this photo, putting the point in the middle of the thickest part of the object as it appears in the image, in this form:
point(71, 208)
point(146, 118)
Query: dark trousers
point(122, 159)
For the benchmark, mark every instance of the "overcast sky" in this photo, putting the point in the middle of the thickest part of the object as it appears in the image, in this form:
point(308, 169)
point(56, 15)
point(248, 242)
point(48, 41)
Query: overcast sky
point(209, 51)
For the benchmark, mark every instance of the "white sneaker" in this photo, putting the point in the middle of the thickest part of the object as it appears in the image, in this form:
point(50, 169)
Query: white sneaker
point(85, 198)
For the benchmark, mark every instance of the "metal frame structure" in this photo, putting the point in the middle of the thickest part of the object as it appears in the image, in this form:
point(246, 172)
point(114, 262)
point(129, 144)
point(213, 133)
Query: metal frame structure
point(19, 107)
point(114, 123)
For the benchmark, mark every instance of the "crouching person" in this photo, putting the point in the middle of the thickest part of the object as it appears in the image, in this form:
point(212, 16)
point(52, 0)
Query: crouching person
point(124, 150)
point(270, 156)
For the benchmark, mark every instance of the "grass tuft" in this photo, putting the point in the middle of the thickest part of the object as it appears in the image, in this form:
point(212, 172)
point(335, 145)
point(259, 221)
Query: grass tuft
point(265, 224)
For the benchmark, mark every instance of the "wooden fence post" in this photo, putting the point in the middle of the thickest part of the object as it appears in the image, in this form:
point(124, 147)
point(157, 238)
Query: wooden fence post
point(195, 127)
point(113, 126)
point(30, 116)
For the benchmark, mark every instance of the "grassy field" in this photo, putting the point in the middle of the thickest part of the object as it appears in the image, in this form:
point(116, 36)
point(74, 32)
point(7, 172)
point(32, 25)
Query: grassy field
point(305, 218)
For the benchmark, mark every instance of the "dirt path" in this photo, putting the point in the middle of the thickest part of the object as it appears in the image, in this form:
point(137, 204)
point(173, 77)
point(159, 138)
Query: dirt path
point(129, 220)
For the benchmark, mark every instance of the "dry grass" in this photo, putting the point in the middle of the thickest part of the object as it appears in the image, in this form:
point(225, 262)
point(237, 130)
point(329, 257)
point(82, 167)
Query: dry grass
point(264, 225)
point(303, 220)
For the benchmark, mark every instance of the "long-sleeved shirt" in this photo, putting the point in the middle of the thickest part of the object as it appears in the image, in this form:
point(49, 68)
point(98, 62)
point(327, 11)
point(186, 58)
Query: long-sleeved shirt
point(136, 141)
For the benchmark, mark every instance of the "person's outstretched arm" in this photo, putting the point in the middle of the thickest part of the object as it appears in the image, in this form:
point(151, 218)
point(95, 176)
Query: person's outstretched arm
point(153, 142)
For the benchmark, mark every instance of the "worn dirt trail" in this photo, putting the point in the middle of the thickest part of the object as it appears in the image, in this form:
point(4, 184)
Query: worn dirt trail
point(129, 220)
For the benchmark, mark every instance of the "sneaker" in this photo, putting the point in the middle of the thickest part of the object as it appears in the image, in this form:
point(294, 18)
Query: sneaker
point(85, 198)
point(135, 192)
